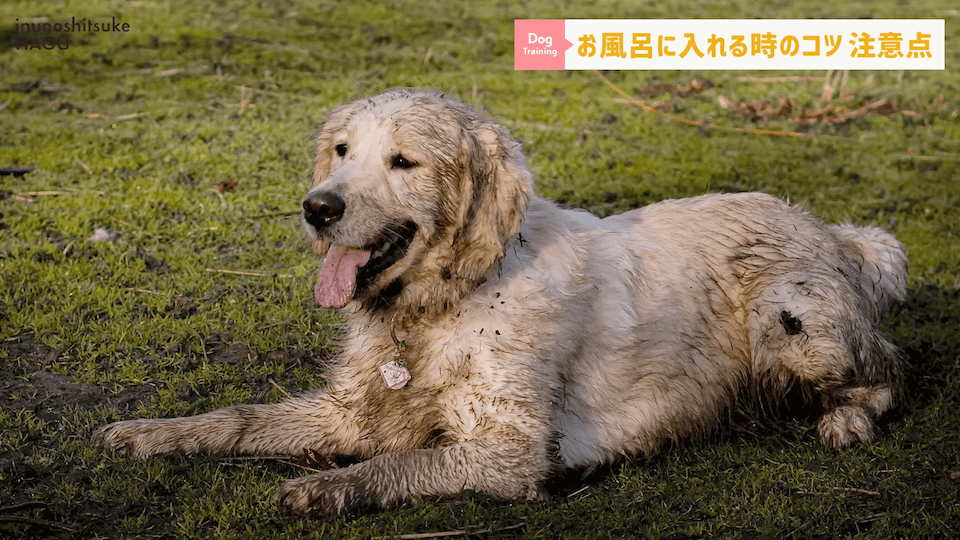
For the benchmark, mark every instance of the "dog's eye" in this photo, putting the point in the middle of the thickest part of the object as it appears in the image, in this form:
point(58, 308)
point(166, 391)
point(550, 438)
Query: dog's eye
point(400, 162)
point(342, 149)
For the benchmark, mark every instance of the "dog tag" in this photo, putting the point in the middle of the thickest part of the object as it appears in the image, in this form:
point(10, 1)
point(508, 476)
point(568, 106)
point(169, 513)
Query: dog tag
point(394, 375)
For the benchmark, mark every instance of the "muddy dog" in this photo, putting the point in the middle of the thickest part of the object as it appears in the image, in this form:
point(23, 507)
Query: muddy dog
point(492, 339)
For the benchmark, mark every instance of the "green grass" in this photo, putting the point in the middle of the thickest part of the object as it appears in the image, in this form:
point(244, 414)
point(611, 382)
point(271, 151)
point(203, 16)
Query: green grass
point(138, 327)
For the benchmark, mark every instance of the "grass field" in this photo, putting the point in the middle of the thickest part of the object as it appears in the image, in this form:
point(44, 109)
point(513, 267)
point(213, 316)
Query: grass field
point(187, 140)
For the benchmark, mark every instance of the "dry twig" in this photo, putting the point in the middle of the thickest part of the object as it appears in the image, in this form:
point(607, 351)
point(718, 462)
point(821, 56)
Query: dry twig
point(460, 532)
point(134, 289)
point(292, 464)
point(779, 79)
point(857, 490)
point(39, 193)
point(278, 387)
point(239, 273)
point(37, 522)
point(6, 518)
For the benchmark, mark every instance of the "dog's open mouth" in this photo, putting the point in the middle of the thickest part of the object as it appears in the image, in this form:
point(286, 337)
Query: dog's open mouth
point(348, 269)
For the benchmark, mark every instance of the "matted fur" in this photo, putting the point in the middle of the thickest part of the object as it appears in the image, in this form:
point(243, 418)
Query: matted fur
point(540, 339)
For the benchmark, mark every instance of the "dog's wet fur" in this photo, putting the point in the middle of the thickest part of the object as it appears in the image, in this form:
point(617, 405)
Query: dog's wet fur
point(537, 339)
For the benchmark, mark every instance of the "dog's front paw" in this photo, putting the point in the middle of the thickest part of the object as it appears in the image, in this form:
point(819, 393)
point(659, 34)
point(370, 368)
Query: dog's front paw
point(133, 437)
point(327, 494)
point(846, 425)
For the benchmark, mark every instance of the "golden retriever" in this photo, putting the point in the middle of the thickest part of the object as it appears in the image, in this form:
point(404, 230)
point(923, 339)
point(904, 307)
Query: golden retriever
point(493, 339)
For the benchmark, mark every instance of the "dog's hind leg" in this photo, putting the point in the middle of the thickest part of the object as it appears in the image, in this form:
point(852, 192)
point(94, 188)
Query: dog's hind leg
point(876, 263)
point(816, 332)
point(317, 422)
point(851, 411)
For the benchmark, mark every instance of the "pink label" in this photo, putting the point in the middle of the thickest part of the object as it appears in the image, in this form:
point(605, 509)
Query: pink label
point(539, 44)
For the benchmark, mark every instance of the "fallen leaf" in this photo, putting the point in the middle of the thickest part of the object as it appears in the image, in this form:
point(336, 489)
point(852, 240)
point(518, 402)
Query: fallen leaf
point(227, 187)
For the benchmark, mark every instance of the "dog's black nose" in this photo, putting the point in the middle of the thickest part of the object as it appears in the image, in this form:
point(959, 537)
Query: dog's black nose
point(322, 208)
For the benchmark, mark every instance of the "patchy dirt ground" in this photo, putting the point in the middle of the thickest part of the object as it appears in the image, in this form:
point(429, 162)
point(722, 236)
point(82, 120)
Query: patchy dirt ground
point(29, 384)
point(47, 393)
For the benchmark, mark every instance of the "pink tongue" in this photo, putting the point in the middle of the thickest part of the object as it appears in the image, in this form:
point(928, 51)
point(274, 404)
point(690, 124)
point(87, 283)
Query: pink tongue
point(338, 277)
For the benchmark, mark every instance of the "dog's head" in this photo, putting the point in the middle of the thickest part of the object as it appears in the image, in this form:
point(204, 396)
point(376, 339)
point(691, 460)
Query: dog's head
point(412, 192)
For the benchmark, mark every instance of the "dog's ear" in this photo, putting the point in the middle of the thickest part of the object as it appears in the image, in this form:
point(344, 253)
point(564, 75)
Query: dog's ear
point(336, 121)
point(498, 187)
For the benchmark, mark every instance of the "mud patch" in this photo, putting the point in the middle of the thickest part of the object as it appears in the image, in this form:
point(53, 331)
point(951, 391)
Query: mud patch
point(791, 325)
point(27, 384)
point(48, 394)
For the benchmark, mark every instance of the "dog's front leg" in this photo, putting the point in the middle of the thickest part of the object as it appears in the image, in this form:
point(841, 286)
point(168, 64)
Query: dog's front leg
point(318, 422)
point(510, 469)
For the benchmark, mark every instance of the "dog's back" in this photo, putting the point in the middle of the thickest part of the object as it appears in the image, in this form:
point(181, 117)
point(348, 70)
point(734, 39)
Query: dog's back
point(744, 293)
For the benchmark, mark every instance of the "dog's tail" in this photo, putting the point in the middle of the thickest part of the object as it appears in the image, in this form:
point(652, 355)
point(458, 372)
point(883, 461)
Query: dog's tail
point(882, 260)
